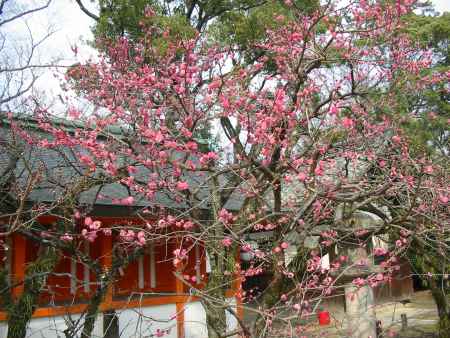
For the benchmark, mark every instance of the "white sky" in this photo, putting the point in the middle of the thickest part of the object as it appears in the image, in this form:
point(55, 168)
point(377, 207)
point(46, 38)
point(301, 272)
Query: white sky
point(71, 26)
point(442, 5)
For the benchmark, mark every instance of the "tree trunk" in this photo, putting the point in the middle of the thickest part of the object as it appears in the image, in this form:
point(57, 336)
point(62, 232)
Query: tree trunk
point(215, 310)
point(270, 297)
point(272, 293)
point(217, 283)
point(104, 281)
point(215, 321)
point(21, 311)
point(110, 324)
point(92, 310)
point(443, 308)
point(19, 316)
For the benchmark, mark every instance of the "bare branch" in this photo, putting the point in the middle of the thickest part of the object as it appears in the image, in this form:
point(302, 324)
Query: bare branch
point(86, 11)
point(22, 14)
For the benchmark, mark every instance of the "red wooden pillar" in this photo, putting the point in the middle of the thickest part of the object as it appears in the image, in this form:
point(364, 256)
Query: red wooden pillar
point(19, 253)
point(179, 289)
point(237, 286)
point(106, 261)
point(180, 320)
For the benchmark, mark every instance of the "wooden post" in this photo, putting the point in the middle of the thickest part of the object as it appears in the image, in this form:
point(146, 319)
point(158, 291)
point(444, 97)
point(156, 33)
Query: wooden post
point(19, 253)
point(404, 321)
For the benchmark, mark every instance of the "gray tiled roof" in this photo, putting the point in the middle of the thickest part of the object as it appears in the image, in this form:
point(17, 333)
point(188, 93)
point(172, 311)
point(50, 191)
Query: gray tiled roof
point(59, 168)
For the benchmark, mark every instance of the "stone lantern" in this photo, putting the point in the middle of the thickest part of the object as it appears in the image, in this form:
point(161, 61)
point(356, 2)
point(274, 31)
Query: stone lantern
point(359, 300)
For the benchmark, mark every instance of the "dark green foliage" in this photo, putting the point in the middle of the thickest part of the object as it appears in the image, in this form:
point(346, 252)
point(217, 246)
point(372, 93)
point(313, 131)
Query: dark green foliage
point(428, 113)
point(244, 28)
point(240, 22)
point(121, 17)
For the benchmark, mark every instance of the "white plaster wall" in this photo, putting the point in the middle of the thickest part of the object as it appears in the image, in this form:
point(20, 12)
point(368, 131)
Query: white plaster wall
point(49, 327)
point(195, 320)
point(232, 322)
point(134, 323)
point(145, 321)
point(3, 329)
point(325, 262)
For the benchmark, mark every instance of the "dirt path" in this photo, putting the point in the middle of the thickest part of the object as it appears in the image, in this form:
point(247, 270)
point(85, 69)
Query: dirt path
point(420, 312)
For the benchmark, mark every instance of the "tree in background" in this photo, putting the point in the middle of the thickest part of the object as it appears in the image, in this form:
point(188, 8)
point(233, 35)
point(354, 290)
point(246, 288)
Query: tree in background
point(240, 23)
point(119, 18)
point(427, 114)
point(19, 60)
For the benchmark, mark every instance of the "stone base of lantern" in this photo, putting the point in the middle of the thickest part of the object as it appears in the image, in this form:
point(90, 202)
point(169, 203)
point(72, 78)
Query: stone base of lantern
point(360, 312)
